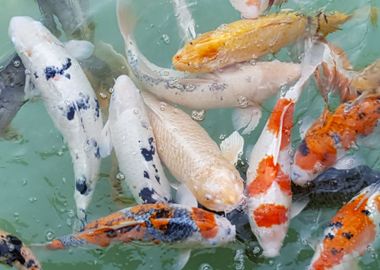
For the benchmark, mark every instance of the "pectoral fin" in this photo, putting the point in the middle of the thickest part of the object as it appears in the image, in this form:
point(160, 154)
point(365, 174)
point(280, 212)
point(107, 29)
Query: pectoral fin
point(105, 142)
point(246, 119)
point(232, 147)
point(80, 49)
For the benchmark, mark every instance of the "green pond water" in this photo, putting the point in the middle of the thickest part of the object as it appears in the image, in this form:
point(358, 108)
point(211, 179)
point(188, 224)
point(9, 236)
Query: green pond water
point(36, 177)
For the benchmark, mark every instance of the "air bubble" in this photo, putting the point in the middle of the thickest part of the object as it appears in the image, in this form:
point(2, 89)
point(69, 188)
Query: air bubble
point(243, 101)
point(120, 176)
point(32, 199)
point(17, 63)
point(205, 266)
point(165, 38)
point(50, 235)
point(103, 95)
point(198, 115)
point(163, 106)
point(256, 250)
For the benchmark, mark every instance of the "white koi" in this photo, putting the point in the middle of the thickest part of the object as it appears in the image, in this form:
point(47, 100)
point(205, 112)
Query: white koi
point(194, 158)
point(268, 182)
point(132, 137)
point(68, 98)
point(252, 9)
point(246, 85)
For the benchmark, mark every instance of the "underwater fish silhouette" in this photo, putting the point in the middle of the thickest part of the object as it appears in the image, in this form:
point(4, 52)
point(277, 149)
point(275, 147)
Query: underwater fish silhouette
point(129, 131)
point(14, 253)
point(68, 98)
point(244, 40)
point(349, 233)
point(12, 95)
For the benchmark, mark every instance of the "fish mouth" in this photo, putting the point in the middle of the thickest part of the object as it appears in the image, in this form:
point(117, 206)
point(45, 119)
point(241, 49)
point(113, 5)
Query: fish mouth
point(299, 176)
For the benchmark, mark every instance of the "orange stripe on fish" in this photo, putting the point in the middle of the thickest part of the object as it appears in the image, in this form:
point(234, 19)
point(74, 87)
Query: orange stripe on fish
point(267, 215)
point(267, 173)
point(274, 122)
point(206, 222)
point(350, 231)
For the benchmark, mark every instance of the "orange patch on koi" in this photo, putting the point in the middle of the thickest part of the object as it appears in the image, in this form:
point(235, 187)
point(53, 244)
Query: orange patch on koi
point(353, 232)
point(206, 222)
point(267, 173)
point(349, 121)
point(267, 215)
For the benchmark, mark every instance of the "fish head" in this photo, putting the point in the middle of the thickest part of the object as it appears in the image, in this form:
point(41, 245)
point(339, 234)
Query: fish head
point(329, 23)
point(305, 166)
point(199, 55)
point(221, 191)
point(26, 33)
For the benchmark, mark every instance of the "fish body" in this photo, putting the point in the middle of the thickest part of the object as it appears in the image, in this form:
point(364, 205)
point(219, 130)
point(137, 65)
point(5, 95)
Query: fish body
point(134, 143)
point(244, 85)
point(336, 185)
point(176, 225)
point(268, 181)
point(193, 157)
point(244, 40)
point(14, 253)
point(350, 232)
point(251, 9)
point(12, 95)
point(73, 15)
point(68, 98)
point(333, 134)
point(367, 81)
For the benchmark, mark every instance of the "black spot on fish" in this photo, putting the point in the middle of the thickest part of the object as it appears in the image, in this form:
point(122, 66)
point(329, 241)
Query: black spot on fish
point(146, 174)
point(81, 185)
point(10, 250)
point(157, 178)
point(336, 225)
point(347, 235)
point(111, 233)
point(97, 111)
point(329, 236)
point(335, 252)
point(148, 153)
point(155, 168)
point(366, 212)
point(362, 115)
point(83, 103)
point(336, 138)
point(52, 71)
point(146, 195)
point(303, 148)
point(68, 76)
point(35, 75)
point(30, 263)
point(70, 113)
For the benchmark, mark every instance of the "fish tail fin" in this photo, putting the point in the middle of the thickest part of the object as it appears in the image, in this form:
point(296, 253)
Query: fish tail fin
point(125, 17)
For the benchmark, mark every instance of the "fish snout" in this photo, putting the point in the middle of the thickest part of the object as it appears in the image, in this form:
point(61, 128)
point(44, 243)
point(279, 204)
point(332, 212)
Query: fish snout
point(300, 176)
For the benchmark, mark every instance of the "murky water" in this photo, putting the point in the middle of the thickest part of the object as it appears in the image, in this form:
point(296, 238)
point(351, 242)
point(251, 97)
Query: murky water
point(36, 193)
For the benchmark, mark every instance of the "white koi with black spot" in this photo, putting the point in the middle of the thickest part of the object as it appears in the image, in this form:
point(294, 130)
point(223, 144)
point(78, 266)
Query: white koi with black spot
point(68, 98)
point(132, 138)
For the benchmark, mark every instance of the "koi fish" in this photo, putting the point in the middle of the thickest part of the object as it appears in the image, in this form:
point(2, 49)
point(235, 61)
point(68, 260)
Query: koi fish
point(268, 182)
point(68, 98)
point(12, 95)
point(244, 40)
point(194, 158)
point(251, 9)
point(333, 134)
point(173, 224)
point(367, 81)
point(245, 86)
point(336, 185)
point(129, 131)
point(14, 253)
point(350, 232)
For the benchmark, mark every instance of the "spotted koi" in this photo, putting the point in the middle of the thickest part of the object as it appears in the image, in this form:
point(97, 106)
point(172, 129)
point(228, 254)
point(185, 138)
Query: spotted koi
point(172, 224)
point(268, 182)
point(68, 98)
point(332, 134)
point(14, 253)
point(350, 232)
point(244, 40)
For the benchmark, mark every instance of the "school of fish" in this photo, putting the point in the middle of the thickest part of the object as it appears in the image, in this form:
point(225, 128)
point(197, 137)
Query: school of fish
point(202, 199)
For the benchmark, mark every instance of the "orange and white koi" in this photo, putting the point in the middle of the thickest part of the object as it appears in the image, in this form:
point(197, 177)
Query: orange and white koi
point(173, 224)
point(244, 40)
point(333, 134)
point(349, 232)
point(14, 253)
point(268, 182)
point(251, 9)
